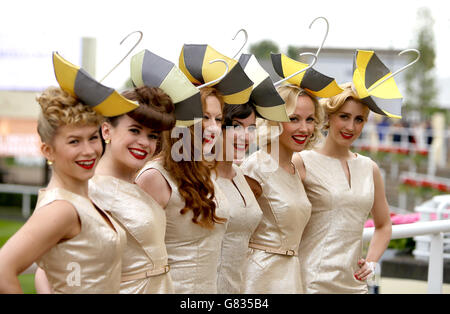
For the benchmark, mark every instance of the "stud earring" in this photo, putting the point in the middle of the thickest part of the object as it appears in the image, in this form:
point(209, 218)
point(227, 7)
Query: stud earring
point(107, 141)
point(49, 162)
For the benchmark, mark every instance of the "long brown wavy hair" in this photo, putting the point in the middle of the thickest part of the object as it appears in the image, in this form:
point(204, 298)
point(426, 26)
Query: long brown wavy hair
point(193, 176)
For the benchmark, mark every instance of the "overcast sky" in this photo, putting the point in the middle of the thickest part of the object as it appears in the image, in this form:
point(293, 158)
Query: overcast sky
point(168, 24)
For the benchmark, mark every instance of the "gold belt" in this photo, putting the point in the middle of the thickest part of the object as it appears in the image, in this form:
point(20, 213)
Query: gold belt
point(146, 274)
point(272, 250)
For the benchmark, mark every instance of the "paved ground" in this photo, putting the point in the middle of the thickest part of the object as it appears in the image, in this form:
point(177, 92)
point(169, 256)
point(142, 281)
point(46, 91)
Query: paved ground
point(406, 286)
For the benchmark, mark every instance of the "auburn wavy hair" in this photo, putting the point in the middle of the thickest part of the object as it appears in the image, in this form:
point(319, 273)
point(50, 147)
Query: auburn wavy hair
point(193, 178)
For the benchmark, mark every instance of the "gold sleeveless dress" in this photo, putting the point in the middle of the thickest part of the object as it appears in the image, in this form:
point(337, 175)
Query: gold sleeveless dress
point(144, 261)
point(193, 251)
point(332, 241)
point(90, 262)
point(272, 264)
point(245, 216)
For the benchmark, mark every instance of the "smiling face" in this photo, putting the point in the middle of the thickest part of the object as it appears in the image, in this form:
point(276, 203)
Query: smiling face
point(131, 143)
point(211, 123)
point(347, 123)
point(299, 130)
point(238, 137)
point(74, 152)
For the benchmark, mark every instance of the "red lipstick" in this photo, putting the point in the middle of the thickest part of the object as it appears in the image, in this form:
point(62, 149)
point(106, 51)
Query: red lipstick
point(138, 153)
point(346, 136)
point(86, 164)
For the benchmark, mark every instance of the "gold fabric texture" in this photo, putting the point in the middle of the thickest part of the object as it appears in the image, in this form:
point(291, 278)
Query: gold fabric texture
point(245, 216)
point(144, 221)
point(286, 211)
point(90, 262)
point(332, 241)
point(193, 251)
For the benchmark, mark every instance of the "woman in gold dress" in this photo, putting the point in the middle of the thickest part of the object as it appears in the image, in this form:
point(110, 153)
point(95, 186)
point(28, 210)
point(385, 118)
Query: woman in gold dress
point(196, 210)
point(75, 242)
point(272, 264)
point(131, 139)
point(239, 130)
point(343, 187)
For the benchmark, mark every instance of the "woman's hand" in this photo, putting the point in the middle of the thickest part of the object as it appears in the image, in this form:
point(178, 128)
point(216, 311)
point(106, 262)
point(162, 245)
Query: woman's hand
point(366, 270)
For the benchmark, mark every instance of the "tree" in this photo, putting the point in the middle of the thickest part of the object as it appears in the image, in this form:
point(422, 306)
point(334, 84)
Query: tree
point(420, 82)
point(262, 49)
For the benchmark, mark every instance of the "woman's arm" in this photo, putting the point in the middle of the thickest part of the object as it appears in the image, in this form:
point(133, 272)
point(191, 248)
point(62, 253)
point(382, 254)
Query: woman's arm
point(44, 229)
point(383, 226)
point(154, 183)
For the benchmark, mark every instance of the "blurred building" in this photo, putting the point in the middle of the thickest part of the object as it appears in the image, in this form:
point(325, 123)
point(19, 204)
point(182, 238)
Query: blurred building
point(26, 71)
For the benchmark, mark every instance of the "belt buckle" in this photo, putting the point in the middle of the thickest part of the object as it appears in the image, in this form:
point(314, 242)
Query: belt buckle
point(290, 253)
point(166, 268)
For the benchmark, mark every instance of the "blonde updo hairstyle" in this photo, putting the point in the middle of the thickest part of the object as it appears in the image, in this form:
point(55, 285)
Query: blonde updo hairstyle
point(290, 94)
point(333, 104)
point(58, 108)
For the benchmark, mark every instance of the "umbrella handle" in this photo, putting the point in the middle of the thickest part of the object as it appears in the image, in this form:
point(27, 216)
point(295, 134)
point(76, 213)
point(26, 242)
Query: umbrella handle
point(137, 43)
point(218, 79)
point(245, 42)
point(326, 33)
point(399, 70)
point(301, 71)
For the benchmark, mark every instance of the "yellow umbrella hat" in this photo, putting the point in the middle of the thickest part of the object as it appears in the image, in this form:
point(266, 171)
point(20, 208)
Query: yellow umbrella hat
point(235, 87)
point(264, 96)
point(311, 80)
point(150, 69)
point(368, 71)
point(78, 83)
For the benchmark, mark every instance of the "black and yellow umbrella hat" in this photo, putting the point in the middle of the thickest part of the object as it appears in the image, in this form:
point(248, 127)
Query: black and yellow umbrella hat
point(268, 103)
point(375, 85)
point(195, 63)
point(78, 83)
point(311, 80)
point(150, 69)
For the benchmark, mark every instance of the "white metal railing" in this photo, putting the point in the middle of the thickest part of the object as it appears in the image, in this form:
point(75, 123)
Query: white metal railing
point(26, 191)
point(436, 260)
point(439, 206)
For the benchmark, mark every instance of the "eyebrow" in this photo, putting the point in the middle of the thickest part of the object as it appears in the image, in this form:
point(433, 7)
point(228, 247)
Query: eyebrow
point(76, 136)
point(253, 124)
point(297, 115)
point(136, 126)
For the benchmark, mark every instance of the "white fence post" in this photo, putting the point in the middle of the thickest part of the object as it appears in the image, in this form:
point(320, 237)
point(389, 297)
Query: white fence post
point(436, 263)
point(26, 204)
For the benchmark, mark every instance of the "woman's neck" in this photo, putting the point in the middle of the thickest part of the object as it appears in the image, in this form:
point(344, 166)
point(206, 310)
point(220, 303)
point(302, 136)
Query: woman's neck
point(225, 169)
point(69, 184)
point(332, 149)
point(284, 157)
point(108, 166)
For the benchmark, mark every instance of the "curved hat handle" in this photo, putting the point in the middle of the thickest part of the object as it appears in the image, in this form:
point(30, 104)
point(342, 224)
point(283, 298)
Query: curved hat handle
point(399, 70)
point(218, 79)
point(302, 70)
point(245, 42)
point(326, 33)
point(135, 45)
